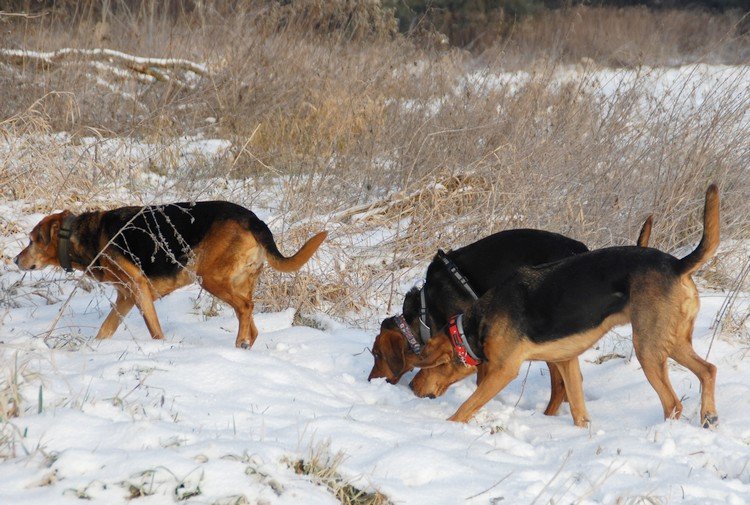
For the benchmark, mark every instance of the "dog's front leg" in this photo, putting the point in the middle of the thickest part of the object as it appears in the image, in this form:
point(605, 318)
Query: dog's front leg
point(145, 301)
point(571, 375)
point(495, 378)
point(122, 306)
point(480, 373)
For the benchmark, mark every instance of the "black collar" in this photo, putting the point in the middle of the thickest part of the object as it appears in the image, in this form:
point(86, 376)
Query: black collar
point(63, 243)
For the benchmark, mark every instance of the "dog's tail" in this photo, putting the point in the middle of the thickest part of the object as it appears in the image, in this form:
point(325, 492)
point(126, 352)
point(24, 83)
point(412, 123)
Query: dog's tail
point(280, 262)
point(645, 234)
point(710, 240)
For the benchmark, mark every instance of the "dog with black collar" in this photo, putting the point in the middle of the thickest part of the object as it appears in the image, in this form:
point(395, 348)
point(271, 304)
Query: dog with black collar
point(148, 252)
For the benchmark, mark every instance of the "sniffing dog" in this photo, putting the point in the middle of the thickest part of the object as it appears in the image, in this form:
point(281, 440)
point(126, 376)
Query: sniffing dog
point(555, 312)
point(484, 264)
point(148, 252)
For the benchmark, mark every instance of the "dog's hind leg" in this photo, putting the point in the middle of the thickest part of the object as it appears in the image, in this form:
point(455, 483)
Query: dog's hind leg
point(571, 375)
point(238, 293)
point(557, 390)
point(655, 367)
point(122, 306)
point(247, 332)
point(685, 355)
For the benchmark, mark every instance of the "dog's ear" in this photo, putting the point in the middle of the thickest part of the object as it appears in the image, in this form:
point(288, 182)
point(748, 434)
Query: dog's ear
point(54, 229)
point(394, 356)
point(411, 305)
point(44, 231)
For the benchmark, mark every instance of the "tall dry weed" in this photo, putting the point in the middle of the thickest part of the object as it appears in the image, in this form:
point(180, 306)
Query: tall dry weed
point(363, 131)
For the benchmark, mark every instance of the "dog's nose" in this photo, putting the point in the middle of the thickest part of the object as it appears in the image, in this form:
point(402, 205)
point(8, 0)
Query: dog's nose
point(15, 260)
point(411, 384)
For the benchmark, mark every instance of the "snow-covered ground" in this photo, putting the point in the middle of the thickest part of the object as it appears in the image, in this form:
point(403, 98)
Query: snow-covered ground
point(193, 411)
point(194, 418)
point(663, 93)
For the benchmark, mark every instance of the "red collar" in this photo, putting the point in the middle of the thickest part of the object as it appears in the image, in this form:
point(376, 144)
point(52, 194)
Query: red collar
point(458, 340)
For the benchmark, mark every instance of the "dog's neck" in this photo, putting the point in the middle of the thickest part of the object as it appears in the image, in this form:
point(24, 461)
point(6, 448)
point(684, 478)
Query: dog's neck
point(66, 250)
point(425, 331)
point(474, 336)
point(417, 315)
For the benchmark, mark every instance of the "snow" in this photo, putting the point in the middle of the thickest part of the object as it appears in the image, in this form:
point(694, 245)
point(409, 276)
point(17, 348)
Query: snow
point(109, 53)
point(194, 411)
point(661, 92)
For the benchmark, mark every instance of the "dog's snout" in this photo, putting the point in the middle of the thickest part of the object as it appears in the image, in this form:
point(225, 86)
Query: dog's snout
point(411, 384)
point(15, 260)
point(431, 396)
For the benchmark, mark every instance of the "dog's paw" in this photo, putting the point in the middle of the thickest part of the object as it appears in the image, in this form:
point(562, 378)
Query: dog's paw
point(710, 421)
point(582, 423)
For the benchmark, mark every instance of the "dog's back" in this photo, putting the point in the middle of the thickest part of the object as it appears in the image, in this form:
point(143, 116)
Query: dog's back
point(573, 295)
point(487, 263)
point(550, 302)
point(160, 238)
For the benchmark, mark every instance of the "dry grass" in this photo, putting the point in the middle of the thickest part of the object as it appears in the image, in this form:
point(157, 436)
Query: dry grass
point(323, 469)
point(630, 36)
point(356, 129)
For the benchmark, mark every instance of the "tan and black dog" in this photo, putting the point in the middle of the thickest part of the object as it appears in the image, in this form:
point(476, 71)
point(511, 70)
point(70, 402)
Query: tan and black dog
point(483, 264)
point(148, 252)
point(555, 312)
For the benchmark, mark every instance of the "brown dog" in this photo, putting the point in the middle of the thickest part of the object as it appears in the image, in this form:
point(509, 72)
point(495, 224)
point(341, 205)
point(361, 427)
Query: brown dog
point(484, 263)
point(148, 252)
point(555, 312)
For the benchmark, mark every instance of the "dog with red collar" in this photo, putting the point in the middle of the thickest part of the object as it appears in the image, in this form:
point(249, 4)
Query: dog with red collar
point(453, 282)
point(554, 312)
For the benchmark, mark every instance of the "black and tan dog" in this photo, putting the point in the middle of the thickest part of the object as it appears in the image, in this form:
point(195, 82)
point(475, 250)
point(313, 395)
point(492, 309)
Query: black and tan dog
point(555, 312)
point(148, 252)
point(484, 264)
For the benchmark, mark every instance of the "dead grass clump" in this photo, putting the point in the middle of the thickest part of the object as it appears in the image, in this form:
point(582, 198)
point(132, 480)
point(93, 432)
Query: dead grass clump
point(347, 20)
point(13, 379)
point(628, 37)
point(323, 469)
